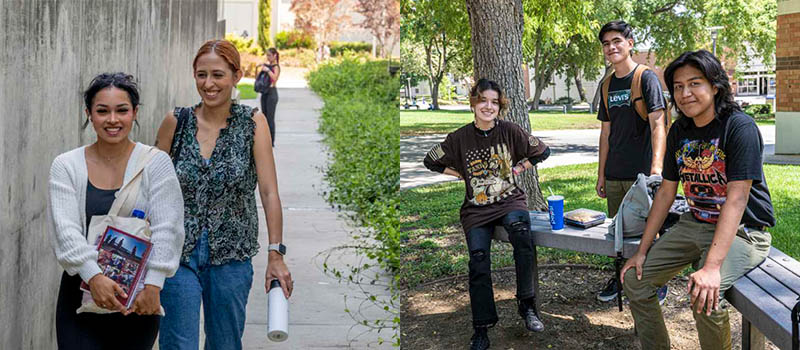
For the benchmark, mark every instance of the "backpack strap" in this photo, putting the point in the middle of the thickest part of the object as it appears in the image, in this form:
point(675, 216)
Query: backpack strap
point(604, 92)
point(182, 114)
point(637, 97)
point(637, 101)
point(127, 195)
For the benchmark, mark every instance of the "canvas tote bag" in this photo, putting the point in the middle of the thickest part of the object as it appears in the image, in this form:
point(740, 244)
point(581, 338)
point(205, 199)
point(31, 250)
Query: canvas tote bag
point(119, 217)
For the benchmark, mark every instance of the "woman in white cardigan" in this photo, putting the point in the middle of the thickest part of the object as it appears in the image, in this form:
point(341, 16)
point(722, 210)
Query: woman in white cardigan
point(83, 183)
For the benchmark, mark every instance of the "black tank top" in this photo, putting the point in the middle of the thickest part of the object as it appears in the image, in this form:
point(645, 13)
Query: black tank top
point(98, 202)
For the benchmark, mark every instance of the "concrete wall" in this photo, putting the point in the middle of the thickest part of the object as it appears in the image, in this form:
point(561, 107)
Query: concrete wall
point(50, 50)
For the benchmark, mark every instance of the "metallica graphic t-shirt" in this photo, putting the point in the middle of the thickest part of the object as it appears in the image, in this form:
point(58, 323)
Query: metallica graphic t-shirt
point(484, 159)
point(706, 159)
point(630, 150)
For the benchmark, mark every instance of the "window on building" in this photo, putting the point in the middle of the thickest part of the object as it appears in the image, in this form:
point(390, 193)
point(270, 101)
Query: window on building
point(771, 86)
point(747, 86)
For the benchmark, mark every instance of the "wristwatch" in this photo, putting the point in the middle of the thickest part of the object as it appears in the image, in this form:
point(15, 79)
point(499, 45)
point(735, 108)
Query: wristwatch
point(278, 247)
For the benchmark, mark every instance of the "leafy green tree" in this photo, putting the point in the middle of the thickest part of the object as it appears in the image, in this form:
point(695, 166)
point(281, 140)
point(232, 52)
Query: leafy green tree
point(674, 26)
point(553, 30)
point(435, 39)
point(561, 36)
point(264, 11)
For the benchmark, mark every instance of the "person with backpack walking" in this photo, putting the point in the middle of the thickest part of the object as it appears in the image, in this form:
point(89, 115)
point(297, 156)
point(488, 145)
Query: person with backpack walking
point(715, 150)
point(633, 129)
point(83, 184)
point(221, 152)
point(488, 153)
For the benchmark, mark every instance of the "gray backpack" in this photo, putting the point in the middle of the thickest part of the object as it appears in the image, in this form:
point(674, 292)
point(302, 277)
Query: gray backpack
point(631, 218)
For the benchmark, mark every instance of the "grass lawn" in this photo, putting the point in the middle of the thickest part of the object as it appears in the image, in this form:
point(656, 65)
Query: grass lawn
point(246, 91)
point(434, 244)
point(445, 121)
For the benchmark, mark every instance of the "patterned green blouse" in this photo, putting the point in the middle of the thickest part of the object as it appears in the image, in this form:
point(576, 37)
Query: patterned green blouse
point(219, 195)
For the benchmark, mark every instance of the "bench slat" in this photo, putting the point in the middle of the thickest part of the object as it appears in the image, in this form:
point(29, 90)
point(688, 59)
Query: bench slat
point(594, 240)
point(786, 277)
point(784, 260)
point(766, 315)
point(773, 288)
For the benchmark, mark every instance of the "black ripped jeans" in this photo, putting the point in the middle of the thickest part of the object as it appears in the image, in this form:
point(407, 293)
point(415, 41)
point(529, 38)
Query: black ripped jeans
point(481, 295)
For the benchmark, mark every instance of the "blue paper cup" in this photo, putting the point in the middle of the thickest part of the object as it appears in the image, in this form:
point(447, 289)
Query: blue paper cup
point(556, 209)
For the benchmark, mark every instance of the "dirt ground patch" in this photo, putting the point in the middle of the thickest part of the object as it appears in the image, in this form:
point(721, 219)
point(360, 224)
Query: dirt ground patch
point(438, 316)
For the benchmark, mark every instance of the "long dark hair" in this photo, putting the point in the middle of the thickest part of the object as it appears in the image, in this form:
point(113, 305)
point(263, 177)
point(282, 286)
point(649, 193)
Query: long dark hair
point(277, 54)
point(484, 84)
point(705, 62)
point(119, 80)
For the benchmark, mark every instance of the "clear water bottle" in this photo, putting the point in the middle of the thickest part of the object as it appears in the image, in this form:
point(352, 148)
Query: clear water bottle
point(278, 315)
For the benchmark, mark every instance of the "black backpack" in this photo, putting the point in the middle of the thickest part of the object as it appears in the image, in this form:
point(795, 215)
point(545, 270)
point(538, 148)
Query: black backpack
point(263, 81)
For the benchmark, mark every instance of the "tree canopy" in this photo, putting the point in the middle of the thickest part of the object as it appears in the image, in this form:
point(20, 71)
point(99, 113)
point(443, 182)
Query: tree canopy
point(435, 39)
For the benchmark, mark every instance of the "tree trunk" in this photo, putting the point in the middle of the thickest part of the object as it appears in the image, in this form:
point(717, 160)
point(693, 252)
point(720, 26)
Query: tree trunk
point(579, 86)
point(497, 55)
point(537, 95)
point(435, 93)
point(579, 82)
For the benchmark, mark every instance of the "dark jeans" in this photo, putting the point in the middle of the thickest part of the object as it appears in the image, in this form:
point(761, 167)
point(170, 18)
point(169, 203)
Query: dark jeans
point(269, 101)
point(481, 296)
point(87, 331)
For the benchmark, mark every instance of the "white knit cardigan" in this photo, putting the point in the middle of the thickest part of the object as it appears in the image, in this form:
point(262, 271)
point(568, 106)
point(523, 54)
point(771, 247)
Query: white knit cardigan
point(160, 198)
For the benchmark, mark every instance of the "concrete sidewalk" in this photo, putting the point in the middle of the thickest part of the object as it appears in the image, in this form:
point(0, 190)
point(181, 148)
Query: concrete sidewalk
point(310, 227)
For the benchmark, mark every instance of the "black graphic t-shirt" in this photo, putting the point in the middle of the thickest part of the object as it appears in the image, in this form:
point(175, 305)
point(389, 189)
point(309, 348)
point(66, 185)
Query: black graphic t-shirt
point(484, 160)
point(706, 159)
point(630, 151)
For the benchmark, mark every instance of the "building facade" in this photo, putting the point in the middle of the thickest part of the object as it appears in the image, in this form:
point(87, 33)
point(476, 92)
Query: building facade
point(787, 69)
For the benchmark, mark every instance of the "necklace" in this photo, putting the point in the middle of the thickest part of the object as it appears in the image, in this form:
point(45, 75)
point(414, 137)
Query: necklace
point(485, 133)
point(108, 159)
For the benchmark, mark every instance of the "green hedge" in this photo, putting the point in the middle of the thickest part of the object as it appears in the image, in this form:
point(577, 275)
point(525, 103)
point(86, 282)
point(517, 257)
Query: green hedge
point(244, 45)
point(339, 47)
point(360, 124)
point(294, 39)
point(759, 111)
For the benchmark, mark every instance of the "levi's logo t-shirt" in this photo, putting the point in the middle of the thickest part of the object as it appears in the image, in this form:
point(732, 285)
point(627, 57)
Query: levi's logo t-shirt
point(619, 98)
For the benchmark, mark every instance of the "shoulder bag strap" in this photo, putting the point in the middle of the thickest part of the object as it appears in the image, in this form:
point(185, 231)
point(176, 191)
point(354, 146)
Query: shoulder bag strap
point(175, 150)
point(127, 195)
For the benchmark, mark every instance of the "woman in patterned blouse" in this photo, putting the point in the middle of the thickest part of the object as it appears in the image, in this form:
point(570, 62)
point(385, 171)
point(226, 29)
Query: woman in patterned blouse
point(221, 151)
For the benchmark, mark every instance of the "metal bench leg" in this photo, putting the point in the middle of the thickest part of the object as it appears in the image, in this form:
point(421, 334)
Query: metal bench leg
point(618, 267)
point(795, 321)
point(752, 338)
point(535, 272)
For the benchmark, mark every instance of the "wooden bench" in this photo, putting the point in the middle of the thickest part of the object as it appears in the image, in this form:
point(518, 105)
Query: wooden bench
point(766, 296)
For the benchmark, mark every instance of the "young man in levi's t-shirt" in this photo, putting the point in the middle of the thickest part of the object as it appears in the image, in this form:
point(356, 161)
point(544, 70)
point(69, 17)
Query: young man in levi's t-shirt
point(629, 144)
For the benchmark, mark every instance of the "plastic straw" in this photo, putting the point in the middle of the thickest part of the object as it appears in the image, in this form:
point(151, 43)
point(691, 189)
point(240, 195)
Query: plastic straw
point(551, 191)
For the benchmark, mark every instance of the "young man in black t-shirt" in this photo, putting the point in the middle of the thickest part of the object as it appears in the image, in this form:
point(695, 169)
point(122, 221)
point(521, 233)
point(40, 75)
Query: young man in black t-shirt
point(715, 150)
point(629, 144)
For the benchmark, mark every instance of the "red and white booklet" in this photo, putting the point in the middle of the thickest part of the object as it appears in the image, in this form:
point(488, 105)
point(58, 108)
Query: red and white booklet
point(123, 258)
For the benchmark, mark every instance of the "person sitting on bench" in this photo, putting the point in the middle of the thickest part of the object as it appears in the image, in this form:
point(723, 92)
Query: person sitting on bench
point(487, 154)
point(715, 150)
